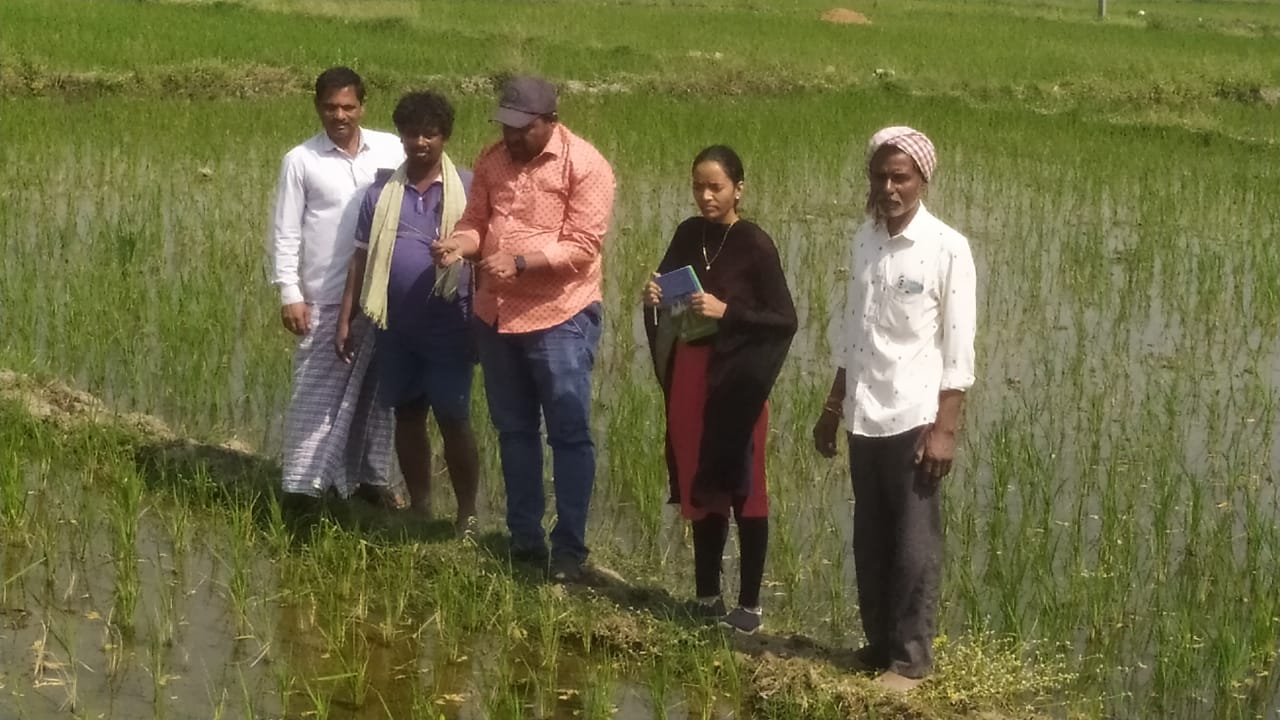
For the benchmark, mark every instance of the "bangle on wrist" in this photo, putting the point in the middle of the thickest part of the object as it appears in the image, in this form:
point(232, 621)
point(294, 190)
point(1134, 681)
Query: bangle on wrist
point(833, 409)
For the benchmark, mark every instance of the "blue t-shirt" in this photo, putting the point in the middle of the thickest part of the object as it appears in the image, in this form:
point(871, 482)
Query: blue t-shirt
point(419, 319)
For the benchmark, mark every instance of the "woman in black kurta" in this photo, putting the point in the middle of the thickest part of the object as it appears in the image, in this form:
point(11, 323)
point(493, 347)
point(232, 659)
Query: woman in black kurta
point(716, 386)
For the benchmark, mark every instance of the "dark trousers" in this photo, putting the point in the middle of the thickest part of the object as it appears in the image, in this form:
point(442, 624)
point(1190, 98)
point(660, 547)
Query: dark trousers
point(897, 550)
point(709, 537)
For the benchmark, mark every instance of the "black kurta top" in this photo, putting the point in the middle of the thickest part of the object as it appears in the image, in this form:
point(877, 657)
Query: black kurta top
point(746, 353)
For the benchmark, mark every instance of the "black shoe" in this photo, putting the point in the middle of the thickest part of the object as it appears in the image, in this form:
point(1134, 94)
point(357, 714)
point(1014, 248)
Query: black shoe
point(535, 556)
point(742, 620)
point(706, 612)
point(567, 570)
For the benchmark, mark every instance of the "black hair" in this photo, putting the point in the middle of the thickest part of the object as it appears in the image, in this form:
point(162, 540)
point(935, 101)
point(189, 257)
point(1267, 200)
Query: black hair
point(336, 78)
point(424, 111)
point(726, 158)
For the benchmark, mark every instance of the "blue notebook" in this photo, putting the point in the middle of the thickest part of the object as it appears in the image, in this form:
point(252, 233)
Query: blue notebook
point(677, 288)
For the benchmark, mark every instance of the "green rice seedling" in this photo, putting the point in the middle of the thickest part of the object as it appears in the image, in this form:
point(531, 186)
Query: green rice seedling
point(504, 696)
point(13, 580)
point(178, 521)
point(284, 683)
point(548, 624)
point(401, 568)
point(353, 659)
point(83, 528)
point(123, 513)
point(45, 539)
point(702, 682)
point(13, 499)
point(158, 669)
point(318, 698)
point(240, 584)
point(278, 533)
point(658, 682)
point(125, 596)
point(164, 626)
point(598, 680)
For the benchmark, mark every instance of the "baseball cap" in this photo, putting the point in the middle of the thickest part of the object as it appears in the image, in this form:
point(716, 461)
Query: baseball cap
point(524, 99)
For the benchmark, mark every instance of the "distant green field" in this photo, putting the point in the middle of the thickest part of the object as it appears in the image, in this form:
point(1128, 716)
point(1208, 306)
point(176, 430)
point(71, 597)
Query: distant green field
point(1206, 65)
point(1114, 509)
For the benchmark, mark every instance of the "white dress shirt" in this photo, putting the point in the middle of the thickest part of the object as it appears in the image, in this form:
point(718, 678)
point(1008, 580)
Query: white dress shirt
point(904, 328)
point(313, 221)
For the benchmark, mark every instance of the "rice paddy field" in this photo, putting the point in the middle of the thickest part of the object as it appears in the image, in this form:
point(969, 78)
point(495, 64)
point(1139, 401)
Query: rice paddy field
point(1112, 520)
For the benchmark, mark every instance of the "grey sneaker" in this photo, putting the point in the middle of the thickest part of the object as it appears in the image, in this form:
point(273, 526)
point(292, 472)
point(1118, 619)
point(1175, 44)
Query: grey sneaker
point(742, 620)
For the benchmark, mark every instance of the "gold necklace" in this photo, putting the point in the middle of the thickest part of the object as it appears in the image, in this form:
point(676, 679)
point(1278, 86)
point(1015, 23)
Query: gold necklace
point(708, 260)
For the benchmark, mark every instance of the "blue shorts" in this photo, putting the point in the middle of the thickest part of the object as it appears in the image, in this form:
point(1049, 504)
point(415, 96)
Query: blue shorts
point(441, 376)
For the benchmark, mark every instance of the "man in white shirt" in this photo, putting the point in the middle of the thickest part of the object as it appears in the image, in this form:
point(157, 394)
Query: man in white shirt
point(902, 337)
point(336, 436)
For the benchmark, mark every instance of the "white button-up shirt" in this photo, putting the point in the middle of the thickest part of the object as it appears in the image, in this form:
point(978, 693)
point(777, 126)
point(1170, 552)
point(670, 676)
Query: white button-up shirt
point(904, 328)
point(313, 221)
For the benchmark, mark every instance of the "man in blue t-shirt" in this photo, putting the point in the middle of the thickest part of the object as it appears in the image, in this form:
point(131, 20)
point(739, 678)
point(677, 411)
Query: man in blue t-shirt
point(424, 358)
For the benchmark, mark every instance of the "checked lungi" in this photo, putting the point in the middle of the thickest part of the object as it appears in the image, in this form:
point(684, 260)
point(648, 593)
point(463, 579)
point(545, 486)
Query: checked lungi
point(336, 435)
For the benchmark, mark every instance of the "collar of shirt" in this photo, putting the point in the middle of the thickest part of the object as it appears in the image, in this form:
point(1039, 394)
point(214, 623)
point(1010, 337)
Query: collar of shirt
point(410, 185)
point(557, 146)
point(919, 228)
point(428, 198)
point(330, 146)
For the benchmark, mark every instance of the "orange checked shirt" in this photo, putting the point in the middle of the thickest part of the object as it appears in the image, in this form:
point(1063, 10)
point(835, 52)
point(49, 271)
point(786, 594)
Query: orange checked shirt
point(558, 204)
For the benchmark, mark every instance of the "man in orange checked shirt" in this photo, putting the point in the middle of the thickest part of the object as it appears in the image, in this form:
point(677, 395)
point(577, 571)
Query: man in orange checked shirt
point(536, 217)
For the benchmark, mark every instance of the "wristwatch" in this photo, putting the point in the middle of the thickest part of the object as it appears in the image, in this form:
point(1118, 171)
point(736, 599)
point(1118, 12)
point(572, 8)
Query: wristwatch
point(520, 264)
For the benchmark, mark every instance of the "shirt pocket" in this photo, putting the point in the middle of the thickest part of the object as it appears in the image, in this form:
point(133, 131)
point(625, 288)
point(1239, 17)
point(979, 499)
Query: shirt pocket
point(546, 200)
point(906, 307)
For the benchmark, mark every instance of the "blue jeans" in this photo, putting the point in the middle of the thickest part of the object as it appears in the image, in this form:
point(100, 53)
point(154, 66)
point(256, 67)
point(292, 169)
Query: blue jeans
point(528, 376)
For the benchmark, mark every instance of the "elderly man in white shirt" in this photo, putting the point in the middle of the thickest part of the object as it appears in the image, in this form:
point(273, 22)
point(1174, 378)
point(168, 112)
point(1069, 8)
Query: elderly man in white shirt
point(902, 337)
point(335, 436)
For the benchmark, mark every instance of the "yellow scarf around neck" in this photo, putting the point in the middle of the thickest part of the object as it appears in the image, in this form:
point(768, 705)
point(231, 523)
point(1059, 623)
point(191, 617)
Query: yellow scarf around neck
point(382, 239)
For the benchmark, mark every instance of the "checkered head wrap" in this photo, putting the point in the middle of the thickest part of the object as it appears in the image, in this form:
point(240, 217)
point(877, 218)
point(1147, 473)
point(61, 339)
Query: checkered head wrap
point(910, 141)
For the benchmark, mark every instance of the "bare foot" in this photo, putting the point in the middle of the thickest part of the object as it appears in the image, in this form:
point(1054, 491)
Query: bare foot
point(890, 680)
point(421, 510)
point(466, 527)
